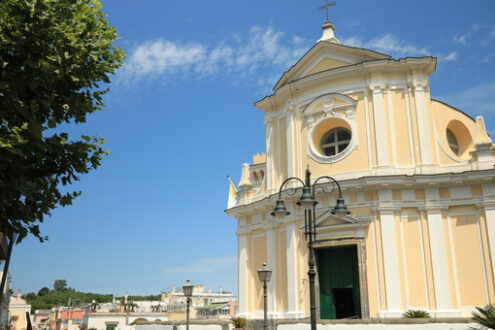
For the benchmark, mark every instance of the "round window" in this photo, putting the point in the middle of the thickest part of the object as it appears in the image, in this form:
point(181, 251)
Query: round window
point(335, 141)
point(453, 144)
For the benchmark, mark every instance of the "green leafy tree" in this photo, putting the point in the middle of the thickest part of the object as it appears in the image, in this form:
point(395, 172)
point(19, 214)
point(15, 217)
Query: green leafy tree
point(43, 291)
point(30, 296)
point(55, 60)
point(60, 285)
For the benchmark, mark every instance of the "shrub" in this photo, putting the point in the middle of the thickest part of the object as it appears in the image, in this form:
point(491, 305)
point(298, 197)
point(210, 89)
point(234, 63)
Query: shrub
point(415, 314)
point(239, 322)
point(485, 316)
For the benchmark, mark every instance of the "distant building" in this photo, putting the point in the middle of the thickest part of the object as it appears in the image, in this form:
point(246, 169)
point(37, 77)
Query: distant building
point(201, 297)
point(215, 311)
point(70, 318)
point(19, 311)
point(123, 315)
point(41, 319)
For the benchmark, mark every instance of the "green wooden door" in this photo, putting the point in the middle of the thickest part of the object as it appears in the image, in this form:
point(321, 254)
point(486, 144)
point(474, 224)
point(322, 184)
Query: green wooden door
point(338, 276)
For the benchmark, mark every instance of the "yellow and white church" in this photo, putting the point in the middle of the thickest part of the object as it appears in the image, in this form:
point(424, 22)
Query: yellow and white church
point(416, 174)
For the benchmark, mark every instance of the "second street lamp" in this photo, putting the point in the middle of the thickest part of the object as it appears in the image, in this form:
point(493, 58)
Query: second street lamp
point(264, 275)
point(308, 202)
point(187, 289)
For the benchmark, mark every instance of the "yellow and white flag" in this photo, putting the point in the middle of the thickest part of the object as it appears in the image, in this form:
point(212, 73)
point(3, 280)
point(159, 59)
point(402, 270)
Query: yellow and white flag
point(232, 194)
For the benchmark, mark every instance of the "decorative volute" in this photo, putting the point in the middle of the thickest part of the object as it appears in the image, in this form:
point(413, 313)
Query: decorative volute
point(245, 182)
point(329, 33)
point(482, 137)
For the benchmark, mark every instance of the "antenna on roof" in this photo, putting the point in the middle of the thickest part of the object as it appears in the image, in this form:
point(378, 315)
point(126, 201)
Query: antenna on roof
point(327, 6)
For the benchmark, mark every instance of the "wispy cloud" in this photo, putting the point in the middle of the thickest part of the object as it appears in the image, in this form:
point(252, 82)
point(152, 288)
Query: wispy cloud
point(452, 56)
point(460, 39)
point(159, 56)
point(207, 265)
point(479, 99)
point(387, 43)
point(488, 58)
point(480, 34)
point(390, 44)
point(263, 48)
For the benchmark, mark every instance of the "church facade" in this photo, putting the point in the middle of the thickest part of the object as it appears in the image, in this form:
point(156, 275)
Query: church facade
point(416, 174)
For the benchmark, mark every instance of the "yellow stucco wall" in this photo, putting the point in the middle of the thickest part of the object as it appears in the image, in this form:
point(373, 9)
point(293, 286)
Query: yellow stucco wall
point(467, 255)
point(326, 64)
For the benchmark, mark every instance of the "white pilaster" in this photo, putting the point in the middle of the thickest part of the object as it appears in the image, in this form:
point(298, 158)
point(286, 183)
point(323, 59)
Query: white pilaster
point(423, 121)
point(243, 279)
point(279, 153)
point(368, 129)
point(439, 261)
point(409, 126)
point(292, 282)
point(490, 226)
point(489, 195)
point(392, 126)
point(390, 263)
point(271, 262)
point(380, 127)
point(289, 120)
point(270, 184)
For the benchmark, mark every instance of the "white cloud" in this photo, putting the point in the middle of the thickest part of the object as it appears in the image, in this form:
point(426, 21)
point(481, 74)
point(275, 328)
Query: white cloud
point(488, 58)
point(478, 99)
point(451, 57)
point(207, 265)
point(157, 57)
point(264, 48)
point(387, 43)
point(460, 39)
point(390, 44)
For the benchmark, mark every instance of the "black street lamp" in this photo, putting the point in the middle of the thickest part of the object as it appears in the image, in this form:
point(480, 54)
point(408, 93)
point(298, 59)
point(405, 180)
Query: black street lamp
point(264, 275)
point(308, 202)
point(187, 289)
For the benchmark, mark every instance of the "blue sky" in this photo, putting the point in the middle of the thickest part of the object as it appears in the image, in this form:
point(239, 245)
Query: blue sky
point(180, 117)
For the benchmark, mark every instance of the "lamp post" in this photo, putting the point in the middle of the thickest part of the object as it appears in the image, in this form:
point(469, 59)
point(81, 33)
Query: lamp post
point(187, 289)
point(264, 275)
point(308, 202)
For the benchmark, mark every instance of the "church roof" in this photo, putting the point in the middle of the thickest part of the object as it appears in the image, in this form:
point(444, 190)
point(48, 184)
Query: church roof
point(15, 300)
point(330, 55)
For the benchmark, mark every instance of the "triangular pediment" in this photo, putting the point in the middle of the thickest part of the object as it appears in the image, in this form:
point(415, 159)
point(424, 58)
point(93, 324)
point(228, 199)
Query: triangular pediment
point(329, 220)
point(325, 56)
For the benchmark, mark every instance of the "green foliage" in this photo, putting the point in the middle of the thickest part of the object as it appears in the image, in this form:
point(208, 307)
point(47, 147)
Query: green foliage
point(94, 306)
point(54, 55)
point(47, 298)
point(239, 322)
point(485, 316)
point(60, 285)
point(415, 314)
point(29, 296)
point(44, 290)
point(60, 298)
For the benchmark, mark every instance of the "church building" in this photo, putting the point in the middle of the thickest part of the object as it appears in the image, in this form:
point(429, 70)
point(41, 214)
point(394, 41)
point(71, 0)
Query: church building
point(416, 174)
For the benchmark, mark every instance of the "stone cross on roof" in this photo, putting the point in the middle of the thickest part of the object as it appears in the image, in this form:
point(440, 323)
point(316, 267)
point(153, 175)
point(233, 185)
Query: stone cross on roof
point(327, 5)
